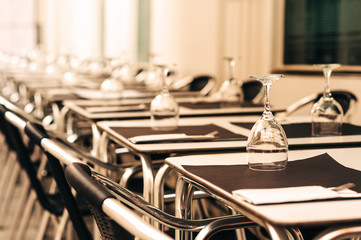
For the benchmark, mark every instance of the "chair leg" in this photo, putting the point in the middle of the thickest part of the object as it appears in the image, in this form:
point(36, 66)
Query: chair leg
point(22, 201)
point(62, 225)
point(46, 217)
point(43, 225)
point(9, 165)
point(26, 217)
point(10, 190)
point(240, 232)
point(4, 153)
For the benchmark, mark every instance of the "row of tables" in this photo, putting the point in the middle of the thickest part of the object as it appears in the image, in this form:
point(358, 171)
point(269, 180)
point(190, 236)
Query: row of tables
point(217, 164)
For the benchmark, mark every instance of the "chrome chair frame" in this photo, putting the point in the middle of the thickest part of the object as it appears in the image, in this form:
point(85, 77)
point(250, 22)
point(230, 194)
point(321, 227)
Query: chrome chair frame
point(138, 203)
point(352, 232)
point(183, 204)
point(79, 176)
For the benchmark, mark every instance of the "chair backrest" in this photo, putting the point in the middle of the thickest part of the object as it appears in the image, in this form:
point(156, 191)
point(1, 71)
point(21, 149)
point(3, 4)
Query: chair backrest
point(114, 220)
point(346, 99)
point(202, 83)
point(252, 91)
point(199, 83)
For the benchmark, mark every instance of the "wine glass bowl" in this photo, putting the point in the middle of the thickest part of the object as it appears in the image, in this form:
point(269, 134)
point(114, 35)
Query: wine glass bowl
point(164, 109)
point(230, 92)
point(327, 113)
point(267, 145)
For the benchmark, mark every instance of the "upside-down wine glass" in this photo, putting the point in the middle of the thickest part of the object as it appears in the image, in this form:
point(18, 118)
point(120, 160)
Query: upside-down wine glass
point(230, 91)
point(327, 113)
point(267, 146)
point(164, 109)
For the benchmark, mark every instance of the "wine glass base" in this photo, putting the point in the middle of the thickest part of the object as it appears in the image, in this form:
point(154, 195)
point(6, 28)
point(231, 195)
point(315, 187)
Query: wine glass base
point(276, 166)
point(326, 129)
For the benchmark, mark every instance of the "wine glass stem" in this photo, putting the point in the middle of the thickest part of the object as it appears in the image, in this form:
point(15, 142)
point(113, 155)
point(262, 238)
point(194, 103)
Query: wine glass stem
point(267, 105)
point(327, 74)
point(164, 80)
point(231, 69)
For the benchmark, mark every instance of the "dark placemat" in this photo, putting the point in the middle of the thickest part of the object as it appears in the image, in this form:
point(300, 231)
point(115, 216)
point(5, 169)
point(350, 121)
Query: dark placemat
point(210, 105)
point(300, 130)
point(129, 132)
point(319, 170)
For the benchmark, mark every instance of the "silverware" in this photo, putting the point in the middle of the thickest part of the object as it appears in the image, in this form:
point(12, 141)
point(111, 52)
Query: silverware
point(343, 187)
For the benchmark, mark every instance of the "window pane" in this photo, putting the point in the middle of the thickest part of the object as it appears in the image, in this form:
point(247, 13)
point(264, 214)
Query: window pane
point(322, 31)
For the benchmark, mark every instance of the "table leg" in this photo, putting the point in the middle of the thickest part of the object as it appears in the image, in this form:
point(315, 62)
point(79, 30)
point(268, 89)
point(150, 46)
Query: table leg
point(183, 201)
point(159, 190)
point(148, 178)
point(276, 233)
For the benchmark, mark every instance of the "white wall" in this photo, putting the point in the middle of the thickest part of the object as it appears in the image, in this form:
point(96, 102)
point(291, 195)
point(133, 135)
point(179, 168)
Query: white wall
point(17, 25)
point(121, 18)
point(76, 26)
point(186, 33)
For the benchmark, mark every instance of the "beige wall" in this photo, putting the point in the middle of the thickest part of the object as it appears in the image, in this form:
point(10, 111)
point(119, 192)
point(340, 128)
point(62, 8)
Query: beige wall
point(16, 25)
point(187, 33)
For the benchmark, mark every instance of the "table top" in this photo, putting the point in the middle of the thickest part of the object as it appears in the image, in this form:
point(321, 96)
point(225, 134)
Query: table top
point(139, 108)
point(232, 137)
point(233, 134)
point(287, 214)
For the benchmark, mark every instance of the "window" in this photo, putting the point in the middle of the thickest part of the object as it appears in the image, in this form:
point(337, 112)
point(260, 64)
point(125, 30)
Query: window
point(322, 31)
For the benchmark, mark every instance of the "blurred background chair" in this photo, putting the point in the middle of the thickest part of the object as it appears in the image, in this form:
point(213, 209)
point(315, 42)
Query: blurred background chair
point(346, 99)
point(200, 83)
point(253, 91)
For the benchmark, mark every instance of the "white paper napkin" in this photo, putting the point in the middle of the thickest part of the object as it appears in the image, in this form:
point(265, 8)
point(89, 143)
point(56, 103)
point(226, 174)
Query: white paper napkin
point(96, 94)
point(292, 194)
point(106, 109)
point(168, 137)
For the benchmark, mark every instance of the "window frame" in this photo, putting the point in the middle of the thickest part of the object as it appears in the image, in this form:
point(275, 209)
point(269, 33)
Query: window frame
point(278, 46)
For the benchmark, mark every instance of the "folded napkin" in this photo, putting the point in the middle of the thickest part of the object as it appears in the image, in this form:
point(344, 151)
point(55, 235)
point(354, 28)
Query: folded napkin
point(292, 194)
point(172, 137)
point(111, 109)
point(96, 94)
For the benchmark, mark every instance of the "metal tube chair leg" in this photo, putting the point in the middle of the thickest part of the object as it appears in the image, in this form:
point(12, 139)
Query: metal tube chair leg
point(20, 231)
point(10, 170)
point(10, 190)
point(182, 205)
point(146, 162)
point(22, 202)
point(159, 186)
point(46, 217)
point(28, 209)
